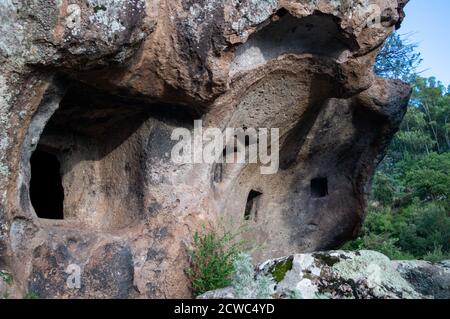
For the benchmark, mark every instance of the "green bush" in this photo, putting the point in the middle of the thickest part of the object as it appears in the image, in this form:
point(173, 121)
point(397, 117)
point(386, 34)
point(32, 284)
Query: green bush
point(418, 231)
point(426, 227)
point(410, 213)
point(429, 176)
point(384, 189)
point(436, 255)
point(211, 260)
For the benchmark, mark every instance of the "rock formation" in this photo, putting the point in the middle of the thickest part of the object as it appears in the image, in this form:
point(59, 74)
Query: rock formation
point(348, 275)
point(91, 90)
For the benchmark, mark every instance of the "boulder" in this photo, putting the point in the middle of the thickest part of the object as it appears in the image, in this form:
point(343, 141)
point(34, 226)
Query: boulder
point(91, 92)
point(430, 279)
point(348, 275)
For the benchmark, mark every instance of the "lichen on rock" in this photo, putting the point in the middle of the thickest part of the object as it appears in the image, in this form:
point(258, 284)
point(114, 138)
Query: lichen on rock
point(348, 275)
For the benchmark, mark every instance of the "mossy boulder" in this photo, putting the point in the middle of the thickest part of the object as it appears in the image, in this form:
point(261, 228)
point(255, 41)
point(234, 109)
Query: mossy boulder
point(350, 275)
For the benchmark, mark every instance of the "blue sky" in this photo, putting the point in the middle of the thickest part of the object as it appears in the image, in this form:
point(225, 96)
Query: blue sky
point(428, 23)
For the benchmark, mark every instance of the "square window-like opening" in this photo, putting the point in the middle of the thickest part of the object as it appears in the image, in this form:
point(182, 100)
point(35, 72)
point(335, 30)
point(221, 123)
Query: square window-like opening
point(319, 187)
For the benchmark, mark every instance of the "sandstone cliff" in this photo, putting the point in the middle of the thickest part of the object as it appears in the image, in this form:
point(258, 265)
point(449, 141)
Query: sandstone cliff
point(92, 89)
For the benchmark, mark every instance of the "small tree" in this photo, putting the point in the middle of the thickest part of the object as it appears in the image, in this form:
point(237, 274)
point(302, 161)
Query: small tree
point(398, 59)
point(211, 260)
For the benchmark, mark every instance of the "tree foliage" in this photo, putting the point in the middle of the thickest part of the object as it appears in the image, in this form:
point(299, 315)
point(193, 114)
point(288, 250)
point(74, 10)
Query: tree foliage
point(409, 207)
point(398, 59)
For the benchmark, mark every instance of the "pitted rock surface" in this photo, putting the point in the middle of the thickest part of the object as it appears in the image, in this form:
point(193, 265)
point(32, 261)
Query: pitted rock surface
point(98, 86)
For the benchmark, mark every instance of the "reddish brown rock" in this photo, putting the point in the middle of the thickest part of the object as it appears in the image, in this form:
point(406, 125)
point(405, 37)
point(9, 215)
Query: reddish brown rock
point(96, 88)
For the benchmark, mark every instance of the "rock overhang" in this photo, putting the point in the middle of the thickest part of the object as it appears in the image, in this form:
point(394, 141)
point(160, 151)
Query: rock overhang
point(234, 64)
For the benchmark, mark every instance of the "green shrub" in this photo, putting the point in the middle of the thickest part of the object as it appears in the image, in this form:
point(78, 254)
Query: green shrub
point(379, 221)
point(427, 227)
point(384, 188)
point(211, 260)
point(429, 176)
point(436, 255)
point(418, 231)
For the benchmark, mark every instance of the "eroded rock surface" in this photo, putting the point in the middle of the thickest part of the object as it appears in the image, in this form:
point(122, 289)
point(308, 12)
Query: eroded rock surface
point(427, 278)
point(349, 275)
point(96, 87)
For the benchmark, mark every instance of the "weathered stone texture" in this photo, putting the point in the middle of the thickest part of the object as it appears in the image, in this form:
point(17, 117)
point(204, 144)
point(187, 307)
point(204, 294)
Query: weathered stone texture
point(101, 85)
point(348, 275)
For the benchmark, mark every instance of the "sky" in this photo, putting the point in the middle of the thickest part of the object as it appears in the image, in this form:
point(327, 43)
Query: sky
point(427, 23)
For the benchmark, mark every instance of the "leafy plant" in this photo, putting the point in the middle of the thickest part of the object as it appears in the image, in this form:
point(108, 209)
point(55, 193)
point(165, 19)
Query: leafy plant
point(429, 177)
point(436, 255)
point(417, 231)
point(211, 260)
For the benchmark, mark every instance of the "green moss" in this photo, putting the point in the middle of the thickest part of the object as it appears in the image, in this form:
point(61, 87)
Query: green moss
point(6, 277)
point(279, 270)
point(101, 7)
point(31, 295)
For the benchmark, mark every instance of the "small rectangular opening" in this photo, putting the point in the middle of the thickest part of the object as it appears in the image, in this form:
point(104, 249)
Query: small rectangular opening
point(319, 187)
point(46, 189)
point(252, 205)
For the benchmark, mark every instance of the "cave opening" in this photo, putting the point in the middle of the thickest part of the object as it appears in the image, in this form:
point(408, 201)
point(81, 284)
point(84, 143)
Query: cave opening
point(93, 154)
point(88, 165)
point(319, 187)
point(252, 205)
point(46, 188)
